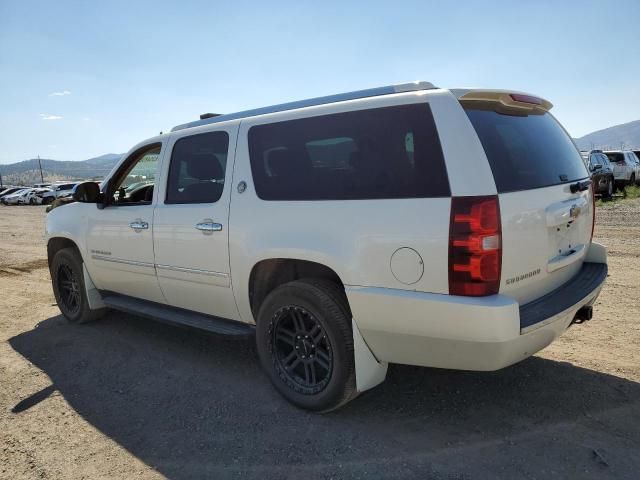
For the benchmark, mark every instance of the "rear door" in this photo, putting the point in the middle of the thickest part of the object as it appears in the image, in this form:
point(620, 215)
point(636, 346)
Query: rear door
point(191, 229)
point(546, 217)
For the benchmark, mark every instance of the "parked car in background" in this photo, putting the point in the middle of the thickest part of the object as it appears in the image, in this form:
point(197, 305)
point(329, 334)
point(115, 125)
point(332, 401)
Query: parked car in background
point(35, 196)
point(10, 191)
point(601, 172)
point(58, 190)
point(16, 197)
point(635, 155)
point(625, 167)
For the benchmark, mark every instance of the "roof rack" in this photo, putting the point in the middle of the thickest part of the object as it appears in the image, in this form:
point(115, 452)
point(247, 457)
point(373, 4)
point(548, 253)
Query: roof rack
point(341, 97)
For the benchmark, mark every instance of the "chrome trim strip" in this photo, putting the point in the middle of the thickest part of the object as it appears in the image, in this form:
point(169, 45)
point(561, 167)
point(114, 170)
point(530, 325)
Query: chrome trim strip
point(193, 270)
point(125, 262)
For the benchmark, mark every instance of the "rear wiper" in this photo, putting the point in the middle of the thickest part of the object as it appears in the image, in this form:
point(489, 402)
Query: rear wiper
point(580, 186)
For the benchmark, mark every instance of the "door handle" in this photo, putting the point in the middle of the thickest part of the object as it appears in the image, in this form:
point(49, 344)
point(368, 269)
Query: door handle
point(139, 225)
point(209, 226)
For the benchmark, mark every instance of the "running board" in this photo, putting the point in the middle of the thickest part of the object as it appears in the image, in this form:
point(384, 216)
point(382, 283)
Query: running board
point(176, 316)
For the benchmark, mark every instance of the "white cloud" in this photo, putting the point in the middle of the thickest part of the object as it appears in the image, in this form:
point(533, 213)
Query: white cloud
point(60, 94)
point(44, 116)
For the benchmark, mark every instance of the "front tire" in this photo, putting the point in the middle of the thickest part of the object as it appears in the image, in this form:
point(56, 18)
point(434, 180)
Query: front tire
point(305, 344)
point(69, 289)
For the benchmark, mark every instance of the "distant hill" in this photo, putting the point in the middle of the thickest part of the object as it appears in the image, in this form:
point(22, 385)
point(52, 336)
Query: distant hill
point(627, 134)
point(27, 172)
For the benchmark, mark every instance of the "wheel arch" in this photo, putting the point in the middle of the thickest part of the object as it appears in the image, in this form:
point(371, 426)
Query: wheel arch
point(55, 244)
point(268, 274)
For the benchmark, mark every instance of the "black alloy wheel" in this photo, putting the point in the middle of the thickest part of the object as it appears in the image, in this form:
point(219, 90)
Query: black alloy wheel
point(69, 288)
point(67, 278)
point(304, 339)
point(301, 349)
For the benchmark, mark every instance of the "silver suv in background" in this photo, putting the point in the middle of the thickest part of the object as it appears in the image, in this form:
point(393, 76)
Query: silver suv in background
point(626, 169)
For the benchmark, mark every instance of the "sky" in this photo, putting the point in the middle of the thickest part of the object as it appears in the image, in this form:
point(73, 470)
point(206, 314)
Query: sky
point(81, 79)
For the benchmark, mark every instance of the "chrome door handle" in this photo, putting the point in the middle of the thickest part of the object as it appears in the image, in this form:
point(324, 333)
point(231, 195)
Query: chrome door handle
point(139, 225)
point(209, 226)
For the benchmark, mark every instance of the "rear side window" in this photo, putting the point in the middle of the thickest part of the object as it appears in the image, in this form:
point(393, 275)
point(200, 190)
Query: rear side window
point(391, 152)
point(526, 151)
point(197, 168)
point(617, 158)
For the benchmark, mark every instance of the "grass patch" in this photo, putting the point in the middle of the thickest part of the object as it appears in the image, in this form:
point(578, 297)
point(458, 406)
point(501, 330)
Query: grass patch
point(629, 192)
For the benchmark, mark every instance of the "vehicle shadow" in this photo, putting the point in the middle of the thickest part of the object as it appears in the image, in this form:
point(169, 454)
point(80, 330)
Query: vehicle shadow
point(195, 405)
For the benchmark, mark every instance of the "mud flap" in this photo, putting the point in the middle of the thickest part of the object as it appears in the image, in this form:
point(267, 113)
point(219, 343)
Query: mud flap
point(93, 296)
point(369, 372)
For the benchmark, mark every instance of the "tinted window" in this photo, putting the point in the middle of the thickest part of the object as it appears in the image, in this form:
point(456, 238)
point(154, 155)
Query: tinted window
point(197, 169)
point(391, 152)
point(617, 158)
point(526, 151)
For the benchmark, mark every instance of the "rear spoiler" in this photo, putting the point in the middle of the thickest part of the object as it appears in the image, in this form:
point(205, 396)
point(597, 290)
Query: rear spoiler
point(504, 102)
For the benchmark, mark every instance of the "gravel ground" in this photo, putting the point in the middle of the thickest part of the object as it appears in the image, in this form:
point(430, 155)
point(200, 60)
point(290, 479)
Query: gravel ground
point(129, 398)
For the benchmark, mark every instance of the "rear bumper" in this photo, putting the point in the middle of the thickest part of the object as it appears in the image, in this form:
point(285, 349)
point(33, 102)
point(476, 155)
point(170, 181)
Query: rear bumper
point(470, 333)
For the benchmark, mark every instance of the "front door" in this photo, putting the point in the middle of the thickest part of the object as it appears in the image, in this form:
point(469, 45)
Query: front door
point(191, 230)
point(120, 236)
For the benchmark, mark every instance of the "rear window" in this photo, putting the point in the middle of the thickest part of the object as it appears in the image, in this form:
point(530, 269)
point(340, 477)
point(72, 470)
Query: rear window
point(526, 152)
point(391, 152)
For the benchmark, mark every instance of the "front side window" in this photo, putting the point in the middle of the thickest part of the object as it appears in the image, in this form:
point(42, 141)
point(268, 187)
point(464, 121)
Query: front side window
point(134, 183)
point(391, 152)
point(197, 168)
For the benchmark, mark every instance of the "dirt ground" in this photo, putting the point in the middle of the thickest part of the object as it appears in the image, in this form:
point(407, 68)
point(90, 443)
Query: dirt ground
point(130, 398)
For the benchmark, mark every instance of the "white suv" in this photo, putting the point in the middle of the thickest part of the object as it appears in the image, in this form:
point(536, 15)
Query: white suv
point(405, 224)
point(626, 170)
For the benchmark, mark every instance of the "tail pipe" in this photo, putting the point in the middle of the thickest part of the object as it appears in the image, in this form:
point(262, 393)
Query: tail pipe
point(584, 314)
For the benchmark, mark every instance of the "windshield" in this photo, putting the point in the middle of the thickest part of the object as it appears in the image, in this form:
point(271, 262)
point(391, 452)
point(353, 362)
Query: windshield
point(526, 151)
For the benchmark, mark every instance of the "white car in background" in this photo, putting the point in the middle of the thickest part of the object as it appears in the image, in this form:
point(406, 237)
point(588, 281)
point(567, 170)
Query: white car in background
point(58, 190)
point(16, 197)
point(35, 196)
point(626, 170)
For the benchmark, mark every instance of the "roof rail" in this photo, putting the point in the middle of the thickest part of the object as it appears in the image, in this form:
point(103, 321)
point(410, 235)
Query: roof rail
point(341, 97)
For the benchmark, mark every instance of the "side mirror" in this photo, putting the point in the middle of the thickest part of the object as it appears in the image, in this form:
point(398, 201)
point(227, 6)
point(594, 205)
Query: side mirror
point(87, 192)
point(596, 167)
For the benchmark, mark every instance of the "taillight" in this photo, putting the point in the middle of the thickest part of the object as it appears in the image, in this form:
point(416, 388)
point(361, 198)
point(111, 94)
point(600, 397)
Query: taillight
point(475, 246)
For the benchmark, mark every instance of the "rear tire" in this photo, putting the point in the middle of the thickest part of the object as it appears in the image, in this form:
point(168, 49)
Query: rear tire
point(610, 189)
point(69, 289)
point(305, 344)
